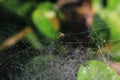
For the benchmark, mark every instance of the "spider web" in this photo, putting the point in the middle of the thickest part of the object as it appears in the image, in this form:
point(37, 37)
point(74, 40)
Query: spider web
point(65, 66)
point(17, 60)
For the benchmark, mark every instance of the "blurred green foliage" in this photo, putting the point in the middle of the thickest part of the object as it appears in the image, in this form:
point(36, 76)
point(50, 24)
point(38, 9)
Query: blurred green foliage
point(96, 70)
point(21, 7)
point(110, 14)
point(42, 19)
point(37, 13)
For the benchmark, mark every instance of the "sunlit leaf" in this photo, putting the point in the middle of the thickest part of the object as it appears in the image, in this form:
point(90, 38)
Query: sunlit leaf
point(45, 19)
point(96, 70)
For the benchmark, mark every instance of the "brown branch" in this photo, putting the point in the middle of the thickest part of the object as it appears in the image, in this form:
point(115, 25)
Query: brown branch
point(15, 38)
point(115, 66)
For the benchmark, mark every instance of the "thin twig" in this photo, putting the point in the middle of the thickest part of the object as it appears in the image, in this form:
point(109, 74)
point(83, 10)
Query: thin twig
point(15, 38)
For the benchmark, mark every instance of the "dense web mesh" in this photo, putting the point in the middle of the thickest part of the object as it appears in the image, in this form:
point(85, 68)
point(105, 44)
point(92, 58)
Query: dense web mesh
point(64, 66)
point(60, 67)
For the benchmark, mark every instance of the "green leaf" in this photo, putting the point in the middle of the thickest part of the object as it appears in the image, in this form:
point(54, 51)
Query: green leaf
point(42, 19)
point(96, 70)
